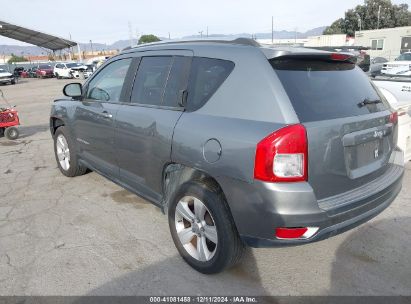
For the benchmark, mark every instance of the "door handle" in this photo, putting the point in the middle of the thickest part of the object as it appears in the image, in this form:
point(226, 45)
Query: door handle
point(107, 114)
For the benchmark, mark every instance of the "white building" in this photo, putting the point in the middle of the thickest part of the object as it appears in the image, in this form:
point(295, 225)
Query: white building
point(4, 59)
point(387, 43)
point(312, 41)
point(327, 40)
point(284, 41)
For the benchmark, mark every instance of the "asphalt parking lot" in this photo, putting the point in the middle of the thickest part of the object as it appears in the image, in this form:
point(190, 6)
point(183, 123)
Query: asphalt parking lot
point(87, 236)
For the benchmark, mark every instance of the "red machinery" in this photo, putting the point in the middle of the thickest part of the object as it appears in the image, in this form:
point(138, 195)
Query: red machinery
point(9, 120)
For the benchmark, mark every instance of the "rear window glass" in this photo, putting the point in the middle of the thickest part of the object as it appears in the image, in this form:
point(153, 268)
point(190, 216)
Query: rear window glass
point(206, 76)
point(151, 80)
point(321, 90)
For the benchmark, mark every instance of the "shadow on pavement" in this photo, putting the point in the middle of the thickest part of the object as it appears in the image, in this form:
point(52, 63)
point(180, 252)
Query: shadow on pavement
point(174, 277)
point(27, 131)
point(374, 260)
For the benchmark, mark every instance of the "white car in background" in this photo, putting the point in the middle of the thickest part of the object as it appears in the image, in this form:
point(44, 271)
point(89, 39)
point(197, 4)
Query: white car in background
point(398, 94)
point(6, 77)
point(71, 70)
point(401, 65)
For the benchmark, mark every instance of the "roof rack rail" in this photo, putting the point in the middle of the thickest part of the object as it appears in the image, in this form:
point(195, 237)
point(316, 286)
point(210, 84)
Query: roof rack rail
point(239, 41)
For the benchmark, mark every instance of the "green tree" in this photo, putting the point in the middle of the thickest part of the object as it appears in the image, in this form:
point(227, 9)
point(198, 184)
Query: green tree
point(366, 17)
point(15, 58)
point(147, 39)
point(337, 27)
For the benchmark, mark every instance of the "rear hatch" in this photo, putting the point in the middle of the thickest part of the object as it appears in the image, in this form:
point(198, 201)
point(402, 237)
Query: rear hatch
point(349, 129)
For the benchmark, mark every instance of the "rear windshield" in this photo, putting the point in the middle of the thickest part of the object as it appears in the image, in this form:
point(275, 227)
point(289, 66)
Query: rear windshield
point(321, 90)
point(45, 67)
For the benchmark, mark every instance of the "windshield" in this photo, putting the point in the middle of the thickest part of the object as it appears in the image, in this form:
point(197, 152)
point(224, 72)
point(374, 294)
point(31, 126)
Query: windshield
point(404, 57)
point(3, 71)
point(44, 67)
point(321, 90)
point(72, 65)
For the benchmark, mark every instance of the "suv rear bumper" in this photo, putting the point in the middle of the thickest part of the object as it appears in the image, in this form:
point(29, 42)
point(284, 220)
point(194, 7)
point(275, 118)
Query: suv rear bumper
point(259, 208)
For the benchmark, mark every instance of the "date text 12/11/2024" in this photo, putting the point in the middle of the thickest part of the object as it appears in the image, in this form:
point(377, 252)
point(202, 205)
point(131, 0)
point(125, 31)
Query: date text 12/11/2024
point(204, 299)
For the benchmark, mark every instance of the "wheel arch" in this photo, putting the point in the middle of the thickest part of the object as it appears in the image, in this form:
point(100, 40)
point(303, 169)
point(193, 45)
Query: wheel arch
point(55, 123)
point(175, 175)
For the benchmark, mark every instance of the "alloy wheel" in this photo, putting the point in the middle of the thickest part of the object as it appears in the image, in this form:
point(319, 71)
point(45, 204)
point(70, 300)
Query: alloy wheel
point(196, 228)
point(63, 152)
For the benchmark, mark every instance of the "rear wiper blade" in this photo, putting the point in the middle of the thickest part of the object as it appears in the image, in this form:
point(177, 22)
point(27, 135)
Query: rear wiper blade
point(368, 102)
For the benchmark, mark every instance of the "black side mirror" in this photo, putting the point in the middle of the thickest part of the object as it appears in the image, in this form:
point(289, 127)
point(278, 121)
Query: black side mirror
point(74, 90)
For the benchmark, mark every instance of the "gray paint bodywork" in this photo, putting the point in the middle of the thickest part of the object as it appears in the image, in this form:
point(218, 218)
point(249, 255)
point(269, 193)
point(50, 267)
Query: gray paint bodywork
point(153, 150)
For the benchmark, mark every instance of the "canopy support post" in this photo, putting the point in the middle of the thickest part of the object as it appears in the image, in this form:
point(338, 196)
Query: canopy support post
point(80, 59)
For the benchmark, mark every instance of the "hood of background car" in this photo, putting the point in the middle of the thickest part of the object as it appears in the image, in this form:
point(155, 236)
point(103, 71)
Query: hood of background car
point(3, 74)
point(83, 67)
point(397, 63)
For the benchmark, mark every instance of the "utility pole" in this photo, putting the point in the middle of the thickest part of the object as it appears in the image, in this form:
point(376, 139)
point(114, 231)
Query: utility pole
point(207, 31)
point(295, 36)
point(379, 13)
point(169, 37)
point(80, 59)
point(91, 46)
point(70, 50)
point(359, 21)
point(272, 30)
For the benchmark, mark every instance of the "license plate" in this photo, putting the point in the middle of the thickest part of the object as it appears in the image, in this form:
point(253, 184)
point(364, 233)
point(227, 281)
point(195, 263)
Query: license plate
point(368, 152)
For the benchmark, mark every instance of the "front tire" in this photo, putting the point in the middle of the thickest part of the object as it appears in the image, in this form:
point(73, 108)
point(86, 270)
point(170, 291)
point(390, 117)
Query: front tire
point(66, 157)
point(203, 229)
point(12, 133)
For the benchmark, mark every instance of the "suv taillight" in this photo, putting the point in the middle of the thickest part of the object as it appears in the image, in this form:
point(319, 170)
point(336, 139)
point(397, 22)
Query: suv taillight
point(283, 156)
point(394, 118)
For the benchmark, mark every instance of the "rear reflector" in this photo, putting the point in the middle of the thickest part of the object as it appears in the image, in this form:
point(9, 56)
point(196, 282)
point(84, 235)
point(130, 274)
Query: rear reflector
point(282, 156)
point(295, 233)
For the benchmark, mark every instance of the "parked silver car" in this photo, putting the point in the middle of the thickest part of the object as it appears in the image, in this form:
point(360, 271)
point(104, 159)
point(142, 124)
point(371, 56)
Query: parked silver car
point(238, 144)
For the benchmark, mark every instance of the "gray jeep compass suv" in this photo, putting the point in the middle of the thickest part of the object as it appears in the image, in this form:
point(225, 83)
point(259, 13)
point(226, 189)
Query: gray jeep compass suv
point(238, 144)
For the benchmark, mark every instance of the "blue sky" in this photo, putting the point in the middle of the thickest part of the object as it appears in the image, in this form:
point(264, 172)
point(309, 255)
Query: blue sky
point(106, 21)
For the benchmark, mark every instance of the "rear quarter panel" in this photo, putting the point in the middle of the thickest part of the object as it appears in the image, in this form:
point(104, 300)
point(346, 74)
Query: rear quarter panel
point(249, 105)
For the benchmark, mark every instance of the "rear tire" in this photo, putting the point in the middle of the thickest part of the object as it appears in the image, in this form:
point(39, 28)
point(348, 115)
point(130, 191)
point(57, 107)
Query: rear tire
point(12, 133)
point(220, 246)
point(65, 153)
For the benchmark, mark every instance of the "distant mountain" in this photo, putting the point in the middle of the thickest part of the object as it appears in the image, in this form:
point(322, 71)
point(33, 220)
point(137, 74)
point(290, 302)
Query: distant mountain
point(277, 34)
point(121, 44)
point(316, 31)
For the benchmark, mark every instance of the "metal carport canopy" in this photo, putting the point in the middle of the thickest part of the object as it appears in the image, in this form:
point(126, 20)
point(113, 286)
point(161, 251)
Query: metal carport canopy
point(40, 39)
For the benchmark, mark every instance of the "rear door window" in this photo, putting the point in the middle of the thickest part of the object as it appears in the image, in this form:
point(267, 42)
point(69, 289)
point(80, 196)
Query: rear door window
point(151, 80)
point(321, 90)
point(161, 80)
point(177, 81)
point(206, 76)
